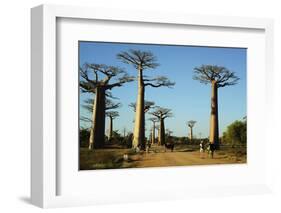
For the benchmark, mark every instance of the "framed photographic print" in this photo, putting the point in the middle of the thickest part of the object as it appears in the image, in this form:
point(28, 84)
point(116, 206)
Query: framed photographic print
point(131, 102)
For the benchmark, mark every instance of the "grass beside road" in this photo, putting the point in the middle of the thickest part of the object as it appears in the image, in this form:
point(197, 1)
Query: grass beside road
point(110, 158)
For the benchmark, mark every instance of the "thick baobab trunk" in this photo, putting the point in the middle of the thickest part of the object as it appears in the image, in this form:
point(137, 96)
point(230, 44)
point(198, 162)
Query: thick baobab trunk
point(153, 134)
point(162, 132)
point(214, 125)
point(91, 138)
point(150, 137)
point(158, 136)
point(139, 135)
point(191, 134)
point(110, 128)
point(98, 127)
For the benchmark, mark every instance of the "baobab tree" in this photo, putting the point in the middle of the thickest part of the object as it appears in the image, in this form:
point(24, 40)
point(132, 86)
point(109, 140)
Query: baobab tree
point(111, 115)
point(153, 120)
point(161, 114)
point(191, 124)
point(89, 106)
point(147, 106)
point(142, 60)
point(124, 132)
point(169, 132)
point(218, 77)
point(150, 137)
point(158, 133)
point(96, 78)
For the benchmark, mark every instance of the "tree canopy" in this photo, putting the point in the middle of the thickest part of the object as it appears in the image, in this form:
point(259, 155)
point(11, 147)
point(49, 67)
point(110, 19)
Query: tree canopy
point(138, 58)
point(143, 60)
point(109, 105)
point(161, 112)
point(208, 73)
point(153, 119)
point(191, 123)
point(147, 105)
point(112, 114)
point(93, 75)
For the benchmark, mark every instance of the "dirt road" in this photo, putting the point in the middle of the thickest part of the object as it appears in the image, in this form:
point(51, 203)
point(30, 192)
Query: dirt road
point(157, 158)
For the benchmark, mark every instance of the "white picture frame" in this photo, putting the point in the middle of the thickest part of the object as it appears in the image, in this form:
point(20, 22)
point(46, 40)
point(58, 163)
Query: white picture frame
point(44, 155)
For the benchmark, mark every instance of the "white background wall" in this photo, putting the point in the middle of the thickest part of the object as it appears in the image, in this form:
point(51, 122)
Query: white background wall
point(15, 99)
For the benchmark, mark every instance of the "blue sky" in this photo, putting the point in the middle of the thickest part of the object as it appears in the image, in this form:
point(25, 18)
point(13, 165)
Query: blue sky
point(189, 99)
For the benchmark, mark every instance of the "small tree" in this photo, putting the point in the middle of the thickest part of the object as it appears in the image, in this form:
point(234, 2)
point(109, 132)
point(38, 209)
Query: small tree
point(218, 77)
point(236, 134)
point(142, 60)
point(96, 78)
point(161, 114)
point(191, 124)
point(112, 115)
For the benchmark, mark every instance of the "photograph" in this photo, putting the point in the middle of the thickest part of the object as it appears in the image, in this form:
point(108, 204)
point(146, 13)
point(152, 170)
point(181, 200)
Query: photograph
point(161, 105)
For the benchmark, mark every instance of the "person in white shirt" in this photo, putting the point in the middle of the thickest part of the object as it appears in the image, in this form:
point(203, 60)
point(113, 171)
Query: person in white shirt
point(201, 149)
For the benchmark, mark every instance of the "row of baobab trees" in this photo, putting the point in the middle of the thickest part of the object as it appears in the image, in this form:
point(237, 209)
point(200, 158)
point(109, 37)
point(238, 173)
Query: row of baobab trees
point(101, 79)
point(159, 114)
